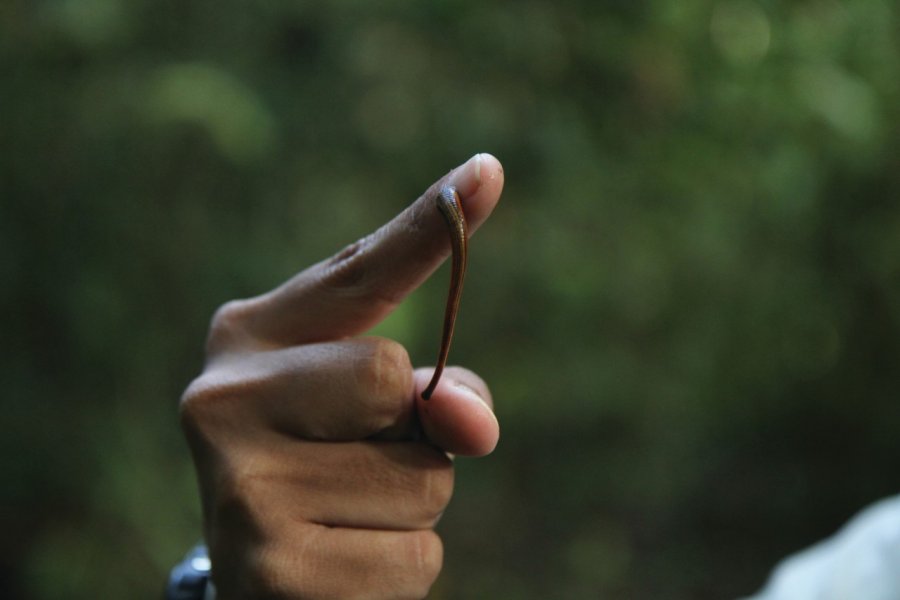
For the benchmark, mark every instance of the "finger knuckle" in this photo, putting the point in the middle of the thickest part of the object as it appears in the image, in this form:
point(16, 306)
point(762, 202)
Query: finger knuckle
point(206, 401)
point(350, 274)
point(438, 487)
point(386, 375)
point(426, 555)
point(193, 407)
point(346, 270)
point(227, 325)
point(428, 485)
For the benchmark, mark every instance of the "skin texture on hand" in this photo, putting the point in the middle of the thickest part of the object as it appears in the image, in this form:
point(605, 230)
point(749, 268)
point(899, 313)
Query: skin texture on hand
point(322, 472)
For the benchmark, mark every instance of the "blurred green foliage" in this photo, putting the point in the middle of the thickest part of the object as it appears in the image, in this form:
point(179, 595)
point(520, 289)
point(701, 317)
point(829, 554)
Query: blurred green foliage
point(687, 304)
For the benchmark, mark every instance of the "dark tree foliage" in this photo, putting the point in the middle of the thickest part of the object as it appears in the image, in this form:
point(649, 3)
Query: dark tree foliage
point(687, 303)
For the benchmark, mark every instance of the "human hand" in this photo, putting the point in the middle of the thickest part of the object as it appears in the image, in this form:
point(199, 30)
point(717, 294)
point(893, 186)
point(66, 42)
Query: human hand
point(322, 472)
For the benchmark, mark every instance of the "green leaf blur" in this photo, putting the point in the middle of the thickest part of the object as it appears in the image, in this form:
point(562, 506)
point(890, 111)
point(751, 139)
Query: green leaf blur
point(687, 303)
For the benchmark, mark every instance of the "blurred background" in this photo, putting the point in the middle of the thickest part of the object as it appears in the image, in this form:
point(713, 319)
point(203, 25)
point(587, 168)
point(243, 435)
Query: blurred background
point(687, 303)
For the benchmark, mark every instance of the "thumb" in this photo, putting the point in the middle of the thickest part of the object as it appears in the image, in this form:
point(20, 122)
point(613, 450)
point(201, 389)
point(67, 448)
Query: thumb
point(459, 418)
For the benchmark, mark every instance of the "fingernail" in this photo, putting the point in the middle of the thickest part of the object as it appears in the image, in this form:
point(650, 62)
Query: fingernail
point(471, 393)
point(471, 169)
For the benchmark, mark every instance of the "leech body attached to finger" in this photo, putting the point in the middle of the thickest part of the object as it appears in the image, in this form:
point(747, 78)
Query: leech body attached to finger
point(449, 204)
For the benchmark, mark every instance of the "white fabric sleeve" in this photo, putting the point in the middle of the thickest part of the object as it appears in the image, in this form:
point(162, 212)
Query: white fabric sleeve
point(862, 561)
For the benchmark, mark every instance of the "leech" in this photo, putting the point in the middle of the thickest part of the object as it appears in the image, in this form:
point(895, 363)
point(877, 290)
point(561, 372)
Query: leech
point(449, 204)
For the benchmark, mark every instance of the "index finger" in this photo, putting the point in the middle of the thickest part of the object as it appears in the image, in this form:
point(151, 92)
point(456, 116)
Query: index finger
point(352, 291)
